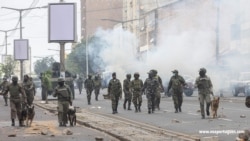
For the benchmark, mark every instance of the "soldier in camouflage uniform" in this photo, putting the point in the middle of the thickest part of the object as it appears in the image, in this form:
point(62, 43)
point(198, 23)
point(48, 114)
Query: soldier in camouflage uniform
point(127, 92)
point(34, 86)
point(176, 83)
point(64, 96)
point(79, 84)
point(159, 90)
point(3, 86)
point(89, 86)
point(97, 87)
point(29, 89)
point(150, 85)
point(115, 92)
point(136, 87)
point(16, 100)
point(205, 88)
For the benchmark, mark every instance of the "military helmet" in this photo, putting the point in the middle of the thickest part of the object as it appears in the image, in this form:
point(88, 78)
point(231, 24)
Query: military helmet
point(154, 72)
point(136, 74)
point(14, 78)
point(113, 74)
point(128, 75)
point(175, 71)
point(203, 70)
point(60, 79)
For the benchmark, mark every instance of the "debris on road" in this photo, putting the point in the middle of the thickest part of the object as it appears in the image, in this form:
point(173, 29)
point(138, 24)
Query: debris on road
point(12, 135)
point(242, 116)
point(67, 131)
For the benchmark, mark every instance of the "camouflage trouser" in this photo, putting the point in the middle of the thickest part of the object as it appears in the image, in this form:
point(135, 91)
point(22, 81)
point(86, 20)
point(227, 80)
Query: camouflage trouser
point(178, 99)
point(63, 107)
point(114, 102)
point(127, 97)
point(158, 98)
point(202, 98)
point(89, 93)
point(80, 88)
point(97, 91)
point(15, 109)
point(73, 91)
point(5, 97)
point(151, 101)
point(137, 98)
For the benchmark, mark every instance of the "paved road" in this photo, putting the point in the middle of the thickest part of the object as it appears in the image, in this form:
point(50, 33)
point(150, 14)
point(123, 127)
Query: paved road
point(189, 121)
point(44, 121)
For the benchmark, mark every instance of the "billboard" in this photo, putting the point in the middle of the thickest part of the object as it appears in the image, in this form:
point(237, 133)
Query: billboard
point(21, 49)
point(62, 22)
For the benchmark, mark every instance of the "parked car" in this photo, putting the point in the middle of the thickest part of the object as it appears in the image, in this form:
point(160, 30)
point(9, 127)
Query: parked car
point(188, 89)
point(242, 85)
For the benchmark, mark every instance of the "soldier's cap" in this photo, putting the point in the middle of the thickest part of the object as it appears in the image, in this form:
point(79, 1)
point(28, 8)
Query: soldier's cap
point(60, 79)
point(151, 72)
point(175, 71)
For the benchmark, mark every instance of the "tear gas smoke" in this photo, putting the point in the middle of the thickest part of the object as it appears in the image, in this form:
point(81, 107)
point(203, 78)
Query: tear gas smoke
point(186, 43)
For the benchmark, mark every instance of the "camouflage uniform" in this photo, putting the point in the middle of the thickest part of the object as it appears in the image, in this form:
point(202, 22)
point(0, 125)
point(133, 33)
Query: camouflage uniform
point(79, 84)
point(97, 87)
point(89, 86)
point(127, 91)
point(3, 86)
point(34, 86)
point(16, 100)
point(176, 83)
point(150, 85)
point(29, 89)
point(115, 92)
point(136, 86)
point(204, 85)
point(159, 90)
point(70, 83)
point(64, 96)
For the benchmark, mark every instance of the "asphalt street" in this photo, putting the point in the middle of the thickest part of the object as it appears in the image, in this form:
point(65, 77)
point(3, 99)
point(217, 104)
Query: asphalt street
point(46, 122)
point(233, 115)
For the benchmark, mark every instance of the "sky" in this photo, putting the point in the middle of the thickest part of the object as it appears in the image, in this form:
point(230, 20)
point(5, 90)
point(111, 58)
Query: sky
point(35, 23)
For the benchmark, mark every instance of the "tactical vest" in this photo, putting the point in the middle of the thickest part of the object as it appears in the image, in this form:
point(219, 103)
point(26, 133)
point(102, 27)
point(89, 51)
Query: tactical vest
point(126, 84)
point(152, 84)
point(203, 83)
point(14, 91)
point(89, 83)
point(176, 83)
point(115, 86)
point(137, 84)
point(63, 93)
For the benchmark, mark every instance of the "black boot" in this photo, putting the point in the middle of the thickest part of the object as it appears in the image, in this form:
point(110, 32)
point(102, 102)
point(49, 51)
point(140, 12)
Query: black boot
point(129, 104)
point(113, 111)
point(136, 110)
point(176, 110)
point(179, 108)
point(202, 116)
point(207, 109)
point(139, 108)
point(124, 106)
point(60, 124)
point(21, 123)
point(149, 111)
point(12, 122)
point(6, 102)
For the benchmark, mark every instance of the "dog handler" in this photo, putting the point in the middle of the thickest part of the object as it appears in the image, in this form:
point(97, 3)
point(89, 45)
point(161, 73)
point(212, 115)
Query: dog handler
point(63, 92)
point(205, 88)
point(16, 100)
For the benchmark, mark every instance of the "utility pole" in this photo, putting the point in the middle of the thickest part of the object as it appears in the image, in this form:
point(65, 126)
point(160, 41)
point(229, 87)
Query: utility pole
point(21, 36)
point(87, 56)
point(6, 38)
point(217, 32)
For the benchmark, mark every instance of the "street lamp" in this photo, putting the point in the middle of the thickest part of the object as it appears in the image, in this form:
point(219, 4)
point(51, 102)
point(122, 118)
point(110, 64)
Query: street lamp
point(20, 21)
point(6, 31)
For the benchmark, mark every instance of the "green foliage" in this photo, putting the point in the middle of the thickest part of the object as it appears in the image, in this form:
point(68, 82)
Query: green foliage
point(46, 80)
point(76, 60)
point(9, 66)
point(43, 65)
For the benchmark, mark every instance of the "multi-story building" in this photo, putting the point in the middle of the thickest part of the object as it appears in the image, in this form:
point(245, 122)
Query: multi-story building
point(99, 13)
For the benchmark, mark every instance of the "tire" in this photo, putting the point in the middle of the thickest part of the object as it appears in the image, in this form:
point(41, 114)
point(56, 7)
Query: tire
point(188, 92)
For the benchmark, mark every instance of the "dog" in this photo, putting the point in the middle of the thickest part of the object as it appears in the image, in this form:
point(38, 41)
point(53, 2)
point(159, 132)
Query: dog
point(214, 106)
point(72, 116)
point(24, 113)
point(30, 114)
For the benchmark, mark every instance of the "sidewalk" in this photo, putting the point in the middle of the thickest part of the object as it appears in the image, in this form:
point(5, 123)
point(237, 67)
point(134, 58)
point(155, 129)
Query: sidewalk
point(118, 128)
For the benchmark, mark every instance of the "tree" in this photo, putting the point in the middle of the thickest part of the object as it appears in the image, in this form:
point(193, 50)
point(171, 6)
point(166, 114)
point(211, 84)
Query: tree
point(76, 60)
point(9, 66)
point(43, 65)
